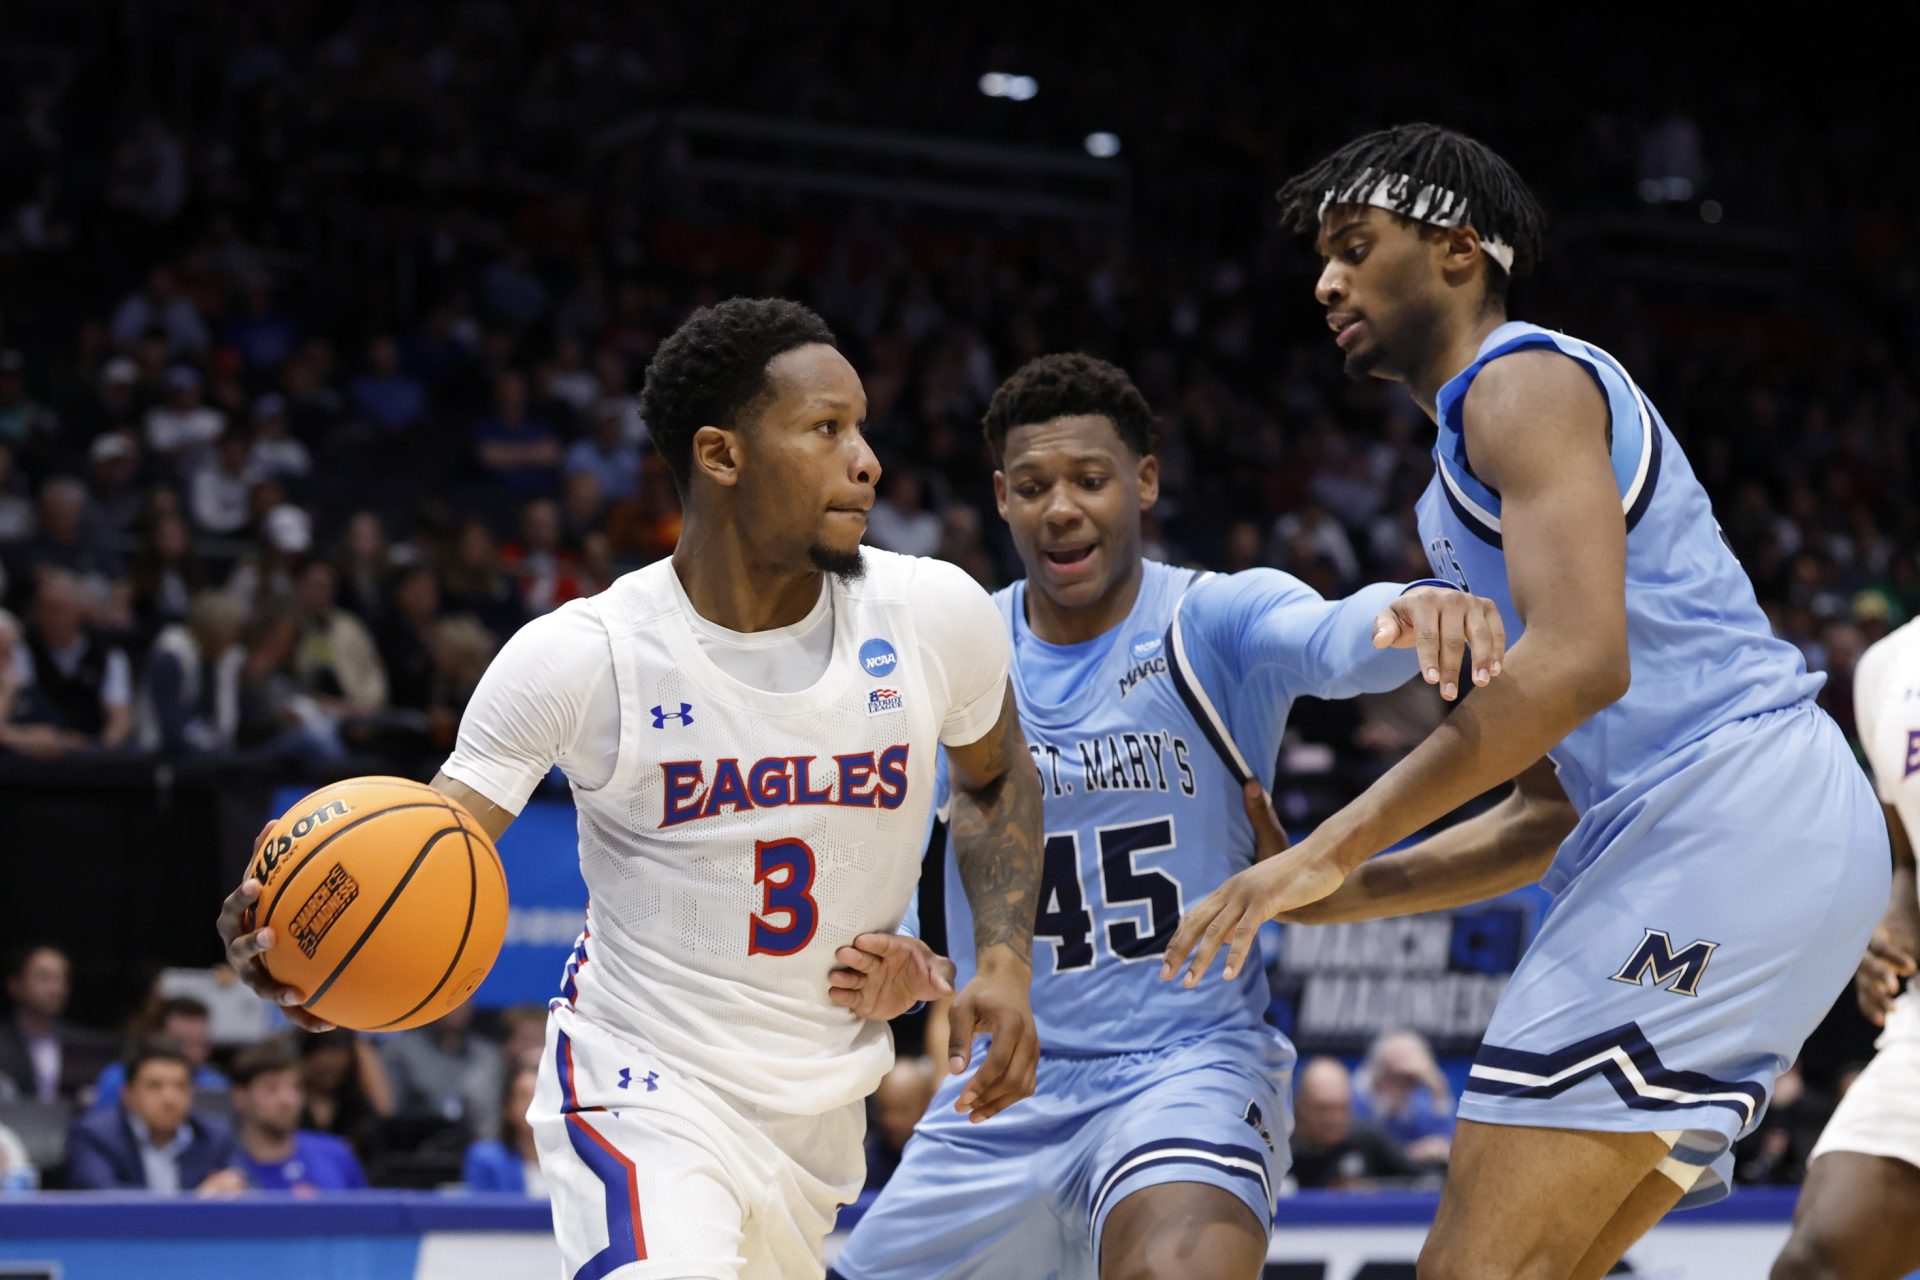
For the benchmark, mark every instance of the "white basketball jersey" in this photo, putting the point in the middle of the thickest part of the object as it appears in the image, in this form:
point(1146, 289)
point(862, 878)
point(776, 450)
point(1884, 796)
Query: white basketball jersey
point(1886, 715)
point(745, 835)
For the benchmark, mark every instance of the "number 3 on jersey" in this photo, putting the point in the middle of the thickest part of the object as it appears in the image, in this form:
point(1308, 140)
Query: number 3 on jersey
point(1064, 917)
point(784, 871)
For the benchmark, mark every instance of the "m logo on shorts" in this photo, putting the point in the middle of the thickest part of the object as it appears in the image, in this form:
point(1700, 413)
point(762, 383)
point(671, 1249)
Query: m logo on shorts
point(1679, 972)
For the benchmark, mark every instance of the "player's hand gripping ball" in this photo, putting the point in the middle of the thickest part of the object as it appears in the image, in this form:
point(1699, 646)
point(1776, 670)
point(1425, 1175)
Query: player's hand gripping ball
point(381, 904)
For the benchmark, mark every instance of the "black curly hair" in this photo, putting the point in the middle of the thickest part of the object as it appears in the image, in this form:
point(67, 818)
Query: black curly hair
point(712, 371)
point(1067, 385)
point(1498, 204)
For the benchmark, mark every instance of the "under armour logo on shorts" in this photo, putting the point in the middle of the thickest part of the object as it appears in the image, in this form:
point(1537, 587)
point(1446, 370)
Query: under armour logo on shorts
point(626, 1078)
point(684, 715)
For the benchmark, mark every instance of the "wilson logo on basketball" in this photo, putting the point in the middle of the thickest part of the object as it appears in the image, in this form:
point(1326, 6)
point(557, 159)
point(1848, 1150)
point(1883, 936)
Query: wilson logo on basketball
point(268, 860)
point(322, 908)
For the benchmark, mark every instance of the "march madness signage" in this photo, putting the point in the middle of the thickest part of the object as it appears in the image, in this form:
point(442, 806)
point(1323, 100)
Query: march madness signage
point(1336, 987)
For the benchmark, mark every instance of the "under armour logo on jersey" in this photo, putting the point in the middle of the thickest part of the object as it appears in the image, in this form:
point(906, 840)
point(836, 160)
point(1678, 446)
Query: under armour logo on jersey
point(684, 715)
point(626, 1078)
point(1679, 971)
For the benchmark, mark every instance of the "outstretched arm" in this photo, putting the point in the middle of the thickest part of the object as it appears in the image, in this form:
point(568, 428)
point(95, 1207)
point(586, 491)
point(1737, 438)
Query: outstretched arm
point(996, 846)
point(1508, 846)
point(1536, 427)
point(1890, 957)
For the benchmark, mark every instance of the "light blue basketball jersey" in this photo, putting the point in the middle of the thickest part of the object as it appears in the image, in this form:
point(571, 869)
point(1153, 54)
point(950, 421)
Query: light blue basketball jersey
point(1143, 737)
point(1702, 653)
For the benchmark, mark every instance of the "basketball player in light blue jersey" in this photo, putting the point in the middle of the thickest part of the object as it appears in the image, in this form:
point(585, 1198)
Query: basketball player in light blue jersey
point(1729, 861)
point(1153, 699)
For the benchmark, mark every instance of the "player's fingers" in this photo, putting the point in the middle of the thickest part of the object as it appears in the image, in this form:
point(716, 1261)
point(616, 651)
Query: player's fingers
point(1450, 615)
point(1424, 617)
point(261, 838)
point(845, 997)
point(1212, 938)
point(1386, 629)
point(882, 944)
point(855, 958)
point(959, 1036)
point(1192, 925)
point(993, 1084)
point(234, 909)
point(1242, 942)
point(1497, 643)
point(307, 1021)
point(846, 979)
point(1890, 954)
point(1480, 641)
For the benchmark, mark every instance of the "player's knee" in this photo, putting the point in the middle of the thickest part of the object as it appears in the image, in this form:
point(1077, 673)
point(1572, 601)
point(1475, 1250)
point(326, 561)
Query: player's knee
point(1810, 1255)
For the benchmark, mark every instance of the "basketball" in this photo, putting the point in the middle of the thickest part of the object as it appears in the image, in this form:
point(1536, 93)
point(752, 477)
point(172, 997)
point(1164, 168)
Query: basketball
point(387, 902)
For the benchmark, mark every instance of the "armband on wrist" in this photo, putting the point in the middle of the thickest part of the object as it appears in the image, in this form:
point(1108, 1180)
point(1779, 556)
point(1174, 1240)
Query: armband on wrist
point(1442, 583)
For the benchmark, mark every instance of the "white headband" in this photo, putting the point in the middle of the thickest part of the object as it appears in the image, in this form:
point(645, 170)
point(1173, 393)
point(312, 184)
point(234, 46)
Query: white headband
point(1435, 206)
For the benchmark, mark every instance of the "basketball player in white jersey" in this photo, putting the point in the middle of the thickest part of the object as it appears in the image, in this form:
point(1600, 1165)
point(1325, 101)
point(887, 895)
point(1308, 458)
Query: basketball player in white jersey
point(1858, 1217)
point(750, 730)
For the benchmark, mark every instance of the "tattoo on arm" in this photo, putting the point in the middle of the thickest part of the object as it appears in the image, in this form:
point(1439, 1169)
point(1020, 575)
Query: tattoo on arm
point(997, 842)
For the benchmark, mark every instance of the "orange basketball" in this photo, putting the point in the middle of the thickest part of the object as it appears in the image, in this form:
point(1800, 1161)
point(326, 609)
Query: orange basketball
point(387, 902)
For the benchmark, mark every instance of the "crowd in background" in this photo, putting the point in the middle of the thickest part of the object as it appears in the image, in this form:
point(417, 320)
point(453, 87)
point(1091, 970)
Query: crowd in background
point(321, 328)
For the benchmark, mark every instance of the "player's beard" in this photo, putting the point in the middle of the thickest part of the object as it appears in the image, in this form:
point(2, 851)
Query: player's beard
point(848, 566)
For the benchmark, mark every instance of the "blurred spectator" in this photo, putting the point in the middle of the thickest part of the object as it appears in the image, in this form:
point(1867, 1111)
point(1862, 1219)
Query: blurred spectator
point(523, 1035)
point(385, 396)
point(44, 1056)
point(606, 455)
point(1776, 1152)
point(582, 510)
point(1401, 1089)
point(220, 485)
point(1331, 1149)
point(406, 642)
point(336, 662)
point(900, 520)
point(149, 175)
point(510, 1162)
point(166, 574)
point(520, 452)
point(895, 1107)
point(160, 307)
point(960, 543)
point(17, 734)
point(462, 648)
point(187, 1024)
point(192, 702)
point(71, 679)
point(345, 1087)
point(273, 1151)
point(476, 583)
point(365, 563)
point(67, 540)
point(546, 570)
point(265, 336)
point(184, 427)
point(23, 423)
point(264, 577)
point(113, 472)
point(153, 1141)
point(444, 1069)
point(275, 452)
point(16, 508)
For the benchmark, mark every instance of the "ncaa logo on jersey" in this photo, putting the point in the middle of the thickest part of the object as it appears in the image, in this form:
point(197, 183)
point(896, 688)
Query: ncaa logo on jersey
point(882, 700)
point(877, 658)
point(1145, 645)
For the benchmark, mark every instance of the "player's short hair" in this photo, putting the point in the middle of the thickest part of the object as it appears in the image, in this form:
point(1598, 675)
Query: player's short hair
point(155, 1049)
point(263, 1059)
point(712, 371)
point(1499, 205)
point(1065, 385)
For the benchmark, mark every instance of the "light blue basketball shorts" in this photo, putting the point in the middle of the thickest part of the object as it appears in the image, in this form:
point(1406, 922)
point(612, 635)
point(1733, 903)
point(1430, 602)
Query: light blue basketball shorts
point(1028, 1192)
point(1704, 920)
